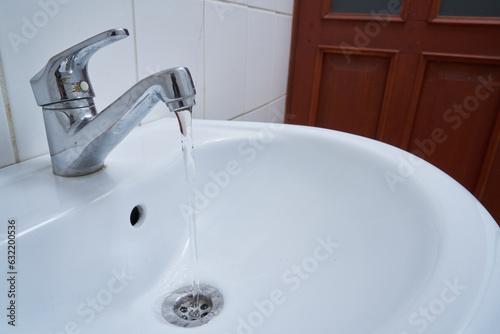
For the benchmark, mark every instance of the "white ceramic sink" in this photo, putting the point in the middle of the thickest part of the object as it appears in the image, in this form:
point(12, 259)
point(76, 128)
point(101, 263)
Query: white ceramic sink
point(303, 230)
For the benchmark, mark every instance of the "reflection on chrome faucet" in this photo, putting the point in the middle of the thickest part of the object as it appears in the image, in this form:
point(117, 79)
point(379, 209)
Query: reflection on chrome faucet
point(79, 136)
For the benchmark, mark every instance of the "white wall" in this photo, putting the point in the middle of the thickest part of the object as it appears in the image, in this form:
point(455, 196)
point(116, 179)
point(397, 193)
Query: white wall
point(237, 52)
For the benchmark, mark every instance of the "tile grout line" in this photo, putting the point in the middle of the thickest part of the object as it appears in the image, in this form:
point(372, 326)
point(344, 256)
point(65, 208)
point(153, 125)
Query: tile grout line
point(275, 45)
point(246, 62)
point(136, 60)
point(204, 62)
point(135, 42)
point(253, 7)
point(8, 113)
point(259, 107)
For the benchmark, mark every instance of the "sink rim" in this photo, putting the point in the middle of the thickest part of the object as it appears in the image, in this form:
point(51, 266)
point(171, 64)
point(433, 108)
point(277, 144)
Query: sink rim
point(127, 173)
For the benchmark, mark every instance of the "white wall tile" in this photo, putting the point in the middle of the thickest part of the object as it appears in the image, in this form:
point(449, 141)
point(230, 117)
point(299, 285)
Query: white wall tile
point(32, 33)
point(226, 28)
point(258, 115)
point(228, 45)
point(6, 151)
point(281, 54)
point(264, 4)
point(169, 33)
point(273, 112)
point(284, 6)
point(241, 2)
point(261, 29)
point(277, 110)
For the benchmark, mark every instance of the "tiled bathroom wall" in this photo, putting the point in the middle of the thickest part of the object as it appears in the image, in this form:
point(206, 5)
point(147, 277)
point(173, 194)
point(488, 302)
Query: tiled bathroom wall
point(237, 52)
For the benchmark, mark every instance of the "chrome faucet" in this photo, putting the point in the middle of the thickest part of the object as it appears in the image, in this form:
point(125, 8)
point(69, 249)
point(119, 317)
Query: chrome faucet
point(79, 136)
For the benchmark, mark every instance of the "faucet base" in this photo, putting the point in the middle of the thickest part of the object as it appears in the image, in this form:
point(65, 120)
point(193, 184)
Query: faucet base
point(67, 171)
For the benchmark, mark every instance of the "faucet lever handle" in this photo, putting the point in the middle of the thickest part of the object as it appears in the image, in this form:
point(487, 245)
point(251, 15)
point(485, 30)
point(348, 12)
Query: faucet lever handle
point(65, 76)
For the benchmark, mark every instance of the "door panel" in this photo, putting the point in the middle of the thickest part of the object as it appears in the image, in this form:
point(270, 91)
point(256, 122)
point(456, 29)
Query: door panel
point(351, 92)
point(408, 74)
point(447, 131)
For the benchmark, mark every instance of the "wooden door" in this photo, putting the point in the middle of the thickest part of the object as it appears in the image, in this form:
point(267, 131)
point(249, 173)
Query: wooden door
point(420, 75)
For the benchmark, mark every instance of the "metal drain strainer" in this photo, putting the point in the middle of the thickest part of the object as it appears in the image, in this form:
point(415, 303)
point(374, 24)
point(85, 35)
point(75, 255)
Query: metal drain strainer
point(180, 309)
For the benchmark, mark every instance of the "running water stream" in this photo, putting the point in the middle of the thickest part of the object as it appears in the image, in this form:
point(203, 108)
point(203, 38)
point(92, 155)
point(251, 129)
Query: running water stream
point(185, 123)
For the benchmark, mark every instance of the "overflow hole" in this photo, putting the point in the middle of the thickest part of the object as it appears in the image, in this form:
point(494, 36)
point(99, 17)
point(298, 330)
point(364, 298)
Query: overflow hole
point(136, 215)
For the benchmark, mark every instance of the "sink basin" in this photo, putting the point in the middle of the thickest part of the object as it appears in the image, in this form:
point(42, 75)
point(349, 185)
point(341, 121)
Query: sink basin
point(301, 229)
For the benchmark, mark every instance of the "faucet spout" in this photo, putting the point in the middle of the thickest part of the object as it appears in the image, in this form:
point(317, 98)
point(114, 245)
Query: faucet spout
point(80, 138)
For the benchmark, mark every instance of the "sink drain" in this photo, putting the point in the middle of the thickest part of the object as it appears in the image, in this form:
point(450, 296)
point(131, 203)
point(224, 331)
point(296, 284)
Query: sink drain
point(180, 308)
